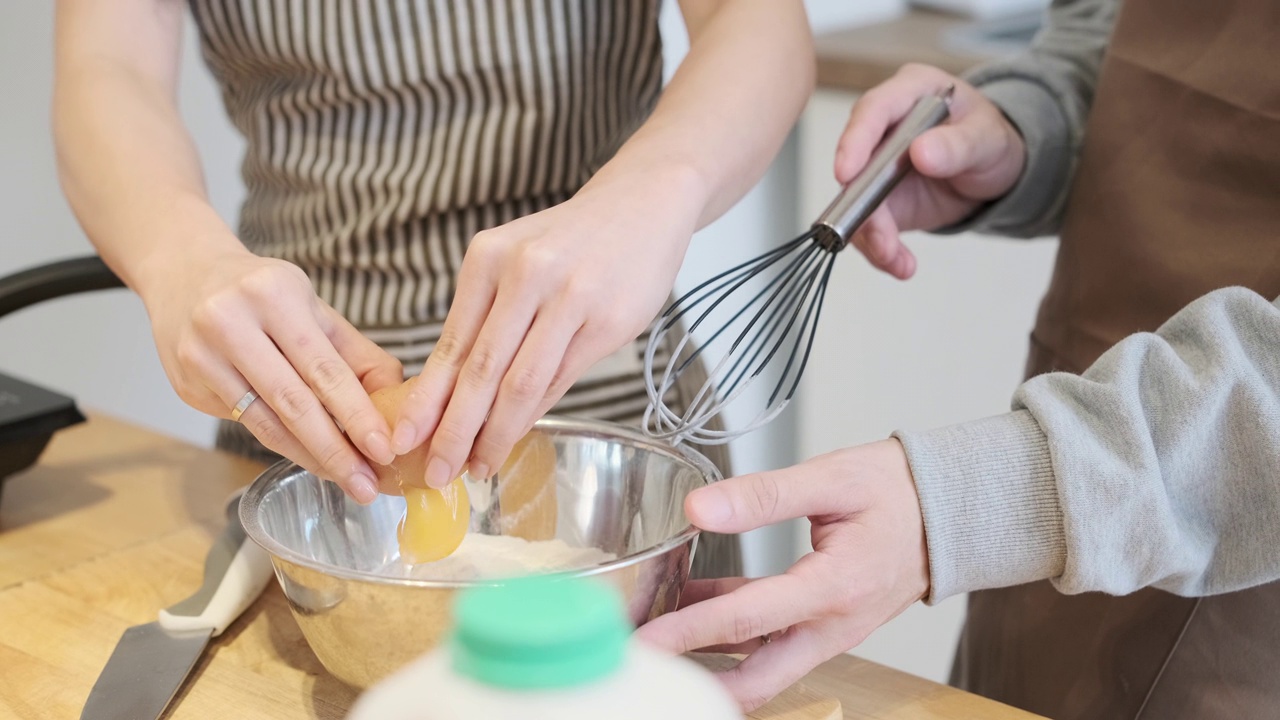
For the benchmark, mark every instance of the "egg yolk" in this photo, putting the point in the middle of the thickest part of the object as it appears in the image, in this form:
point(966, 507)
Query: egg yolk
point(434, 522)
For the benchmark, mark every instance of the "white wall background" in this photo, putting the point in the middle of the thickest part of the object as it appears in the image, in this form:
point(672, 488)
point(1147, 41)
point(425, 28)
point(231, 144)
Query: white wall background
point(764, 218)
point(97, 348)
point(945, 347)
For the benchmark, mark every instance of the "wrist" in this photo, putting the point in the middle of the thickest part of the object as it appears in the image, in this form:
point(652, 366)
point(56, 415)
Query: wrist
point(989, 500)
point(1015, 154)
point(670, 185)
point(898, 468)
point(189, 233)
point(1042, 138)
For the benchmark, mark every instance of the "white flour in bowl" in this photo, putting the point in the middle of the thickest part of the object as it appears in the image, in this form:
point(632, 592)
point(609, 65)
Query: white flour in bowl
point(486, 557)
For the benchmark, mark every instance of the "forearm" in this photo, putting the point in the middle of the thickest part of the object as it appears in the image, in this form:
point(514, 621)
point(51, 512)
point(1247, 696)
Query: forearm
point(727, 110)
point(1046, 92)
point(1157, 467)
point(127, 165)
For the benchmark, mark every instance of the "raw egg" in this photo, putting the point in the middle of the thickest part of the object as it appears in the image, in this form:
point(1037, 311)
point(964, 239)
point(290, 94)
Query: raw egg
point(434, 521)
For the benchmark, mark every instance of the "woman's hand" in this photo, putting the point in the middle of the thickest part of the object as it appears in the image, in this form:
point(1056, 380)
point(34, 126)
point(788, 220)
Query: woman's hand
point(869, 563)
point(973, 158)
point(224, 320)
point(231, 321)
point(539, 301)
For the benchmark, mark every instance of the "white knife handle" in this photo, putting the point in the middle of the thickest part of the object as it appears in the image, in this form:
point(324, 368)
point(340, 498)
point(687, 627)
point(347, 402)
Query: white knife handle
point(235, 572)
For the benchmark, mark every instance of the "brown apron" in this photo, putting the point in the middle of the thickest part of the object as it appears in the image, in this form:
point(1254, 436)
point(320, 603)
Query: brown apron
point(1177, 194)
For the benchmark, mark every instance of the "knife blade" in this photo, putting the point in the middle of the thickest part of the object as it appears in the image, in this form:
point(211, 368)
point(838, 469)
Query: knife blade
point(152, 661)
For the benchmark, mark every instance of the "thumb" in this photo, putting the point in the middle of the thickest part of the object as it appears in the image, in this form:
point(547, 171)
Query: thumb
point(944, 152)
point(974, 144)
point(748, 502)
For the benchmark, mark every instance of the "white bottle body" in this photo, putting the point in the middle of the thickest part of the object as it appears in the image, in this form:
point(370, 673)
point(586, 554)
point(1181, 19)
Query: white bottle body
point(649, 685)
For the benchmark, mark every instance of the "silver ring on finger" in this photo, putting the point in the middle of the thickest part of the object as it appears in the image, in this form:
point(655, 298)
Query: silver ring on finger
point(243, 405)
point(767, 638)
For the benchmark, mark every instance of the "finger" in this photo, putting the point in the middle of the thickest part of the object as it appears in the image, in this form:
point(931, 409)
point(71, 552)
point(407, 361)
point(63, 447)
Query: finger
point(747, 612)
point(965, 146)
point(375, 367)
point(776, 666)
point(265, 425)
point(877, 111)
point(696, 591)
point(869, 121)
point(881, 243)
point(583, 352)
point(278, 385)
point(907, 264)
point(747, 647)
point(226, 386)
point(477, 386)
point(314, 358)
point(744, 503)
point(742, 648)
point(425, 404)
point(523, 389)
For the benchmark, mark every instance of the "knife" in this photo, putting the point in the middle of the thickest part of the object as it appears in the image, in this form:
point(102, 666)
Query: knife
point(151, 661)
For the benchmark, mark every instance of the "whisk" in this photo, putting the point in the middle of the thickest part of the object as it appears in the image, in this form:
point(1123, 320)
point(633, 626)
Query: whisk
point(776, 324)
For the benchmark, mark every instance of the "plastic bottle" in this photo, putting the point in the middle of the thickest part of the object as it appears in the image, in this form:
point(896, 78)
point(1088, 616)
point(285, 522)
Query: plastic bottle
point(543, 649)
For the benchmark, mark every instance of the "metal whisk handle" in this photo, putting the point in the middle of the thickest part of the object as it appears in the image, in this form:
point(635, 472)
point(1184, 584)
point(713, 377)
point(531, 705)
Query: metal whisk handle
point(888, 165)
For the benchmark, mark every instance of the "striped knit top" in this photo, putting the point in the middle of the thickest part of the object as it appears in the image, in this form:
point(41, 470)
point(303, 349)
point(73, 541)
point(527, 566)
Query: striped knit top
point(383, 134)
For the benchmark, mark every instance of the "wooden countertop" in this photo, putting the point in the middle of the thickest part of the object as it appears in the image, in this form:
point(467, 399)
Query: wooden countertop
point(113, 524)
point(860, 58)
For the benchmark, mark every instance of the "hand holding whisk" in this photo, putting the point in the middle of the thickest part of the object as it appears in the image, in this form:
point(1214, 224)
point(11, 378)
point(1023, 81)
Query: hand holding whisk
point(752, 327)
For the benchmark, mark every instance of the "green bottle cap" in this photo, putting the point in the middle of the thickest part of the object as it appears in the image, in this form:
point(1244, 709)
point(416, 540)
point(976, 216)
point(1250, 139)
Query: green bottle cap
point(539, 633)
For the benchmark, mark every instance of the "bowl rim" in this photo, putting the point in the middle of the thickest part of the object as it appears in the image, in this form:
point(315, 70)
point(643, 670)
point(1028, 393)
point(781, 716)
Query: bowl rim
point(601, 429)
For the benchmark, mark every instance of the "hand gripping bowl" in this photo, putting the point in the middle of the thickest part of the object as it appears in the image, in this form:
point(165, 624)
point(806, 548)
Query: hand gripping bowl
point(615, 490)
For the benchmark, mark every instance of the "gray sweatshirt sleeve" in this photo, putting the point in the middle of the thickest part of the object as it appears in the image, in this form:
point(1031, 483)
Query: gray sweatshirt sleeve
point(1159, 466)
point(1046, 94)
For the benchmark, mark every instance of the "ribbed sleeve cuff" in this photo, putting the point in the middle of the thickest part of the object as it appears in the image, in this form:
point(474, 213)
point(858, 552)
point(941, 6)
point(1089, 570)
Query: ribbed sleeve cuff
point(990, 504)
point(1031, 207)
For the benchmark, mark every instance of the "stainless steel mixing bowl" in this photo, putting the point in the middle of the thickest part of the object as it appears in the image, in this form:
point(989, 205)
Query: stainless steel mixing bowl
point(337, 561)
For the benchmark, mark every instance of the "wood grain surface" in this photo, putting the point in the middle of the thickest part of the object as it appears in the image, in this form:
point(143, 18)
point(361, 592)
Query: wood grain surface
point(798, 702)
